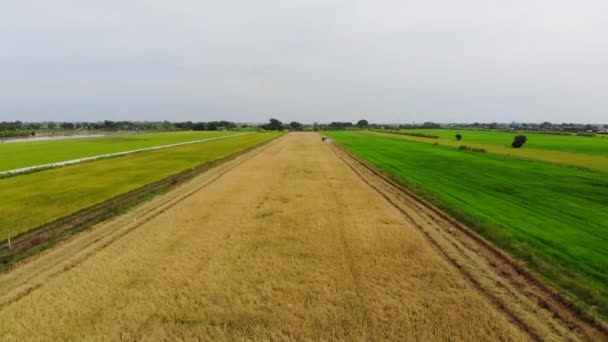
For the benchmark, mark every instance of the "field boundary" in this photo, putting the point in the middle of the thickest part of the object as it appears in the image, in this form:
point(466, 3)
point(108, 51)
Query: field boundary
point(28, 169)
point(536, 291)
point(47, 235)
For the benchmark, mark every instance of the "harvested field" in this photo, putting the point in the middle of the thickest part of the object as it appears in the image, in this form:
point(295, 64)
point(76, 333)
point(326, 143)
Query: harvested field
point(296, 240)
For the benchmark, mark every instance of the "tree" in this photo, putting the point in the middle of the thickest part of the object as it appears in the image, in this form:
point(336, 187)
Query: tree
point(199, 126)
point(339, 125)
point(519, 141)
point(315, 126)
point(51, 125)
point(67, 125)
point(295, 126)
point(362, 124)
point(212, 126)
point(226, 125)
point(429, 124)
point(458, 137)
point(273, 125)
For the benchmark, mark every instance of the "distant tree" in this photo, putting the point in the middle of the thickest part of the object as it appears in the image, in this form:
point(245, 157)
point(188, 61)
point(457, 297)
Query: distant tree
point(33, 125)
point(108, 124)
point(315, 126)
point(184, 125)
point(273, 125)
point(545, 124)
point(51, 125)
point(335, 125)
point(226, 125)
point(212, 125)
point(295, 126)
point(67, 125)
point(362, 123)
point(519, 141)
point(124, 125)
point(458, 137)
point(429, 124)
point(199, 126)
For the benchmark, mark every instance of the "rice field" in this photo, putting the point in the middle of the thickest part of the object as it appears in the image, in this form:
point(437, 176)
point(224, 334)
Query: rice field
point(552, 218)
point(23, 154)
point(539, 147)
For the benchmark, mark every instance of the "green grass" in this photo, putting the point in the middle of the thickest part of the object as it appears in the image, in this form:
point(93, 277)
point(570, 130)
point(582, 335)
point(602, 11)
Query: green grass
point(596, 145)
point(33, 199)
point(493, 142)
point(554, 219)
point(23, 154)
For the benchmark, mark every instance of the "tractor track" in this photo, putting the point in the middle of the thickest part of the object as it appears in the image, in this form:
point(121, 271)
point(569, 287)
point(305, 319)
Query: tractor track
point(536, 308)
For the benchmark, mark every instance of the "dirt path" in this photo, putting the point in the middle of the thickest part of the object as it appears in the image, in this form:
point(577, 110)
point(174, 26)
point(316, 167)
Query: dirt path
point(287, 242)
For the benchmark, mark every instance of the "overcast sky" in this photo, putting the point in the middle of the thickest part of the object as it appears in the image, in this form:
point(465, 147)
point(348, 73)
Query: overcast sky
point(305, 60)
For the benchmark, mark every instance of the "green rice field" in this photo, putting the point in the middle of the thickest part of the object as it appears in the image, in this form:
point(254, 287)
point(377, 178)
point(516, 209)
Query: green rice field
point(24, 154)
point(593, 145)
point(577, 151)
point(552, 218)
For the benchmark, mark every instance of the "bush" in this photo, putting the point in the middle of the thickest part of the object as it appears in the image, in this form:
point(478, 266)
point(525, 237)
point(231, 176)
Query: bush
point(458, 137)
point(14, 133)
point(473, 149)
point(413, 134)
point(519, 141)
point(553, 133)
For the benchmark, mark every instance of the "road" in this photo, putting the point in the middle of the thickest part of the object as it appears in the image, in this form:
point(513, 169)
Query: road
point(293, 241)
point(108, 155)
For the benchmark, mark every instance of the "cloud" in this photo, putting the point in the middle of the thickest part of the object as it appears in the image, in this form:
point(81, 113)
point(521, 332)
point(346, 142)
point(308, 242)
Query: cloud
point(388, 61)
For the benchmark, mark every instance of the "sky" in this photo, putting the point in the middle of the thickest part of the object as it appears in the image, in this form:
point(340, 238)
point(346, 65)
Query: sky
point(304, 60)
